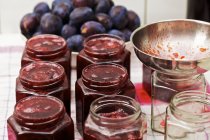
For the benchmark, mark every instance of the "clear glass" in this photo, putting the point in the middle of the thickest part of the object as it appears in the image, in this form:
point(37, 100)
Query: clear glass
point(164, 87)
point(115, 117)
point(188, 116)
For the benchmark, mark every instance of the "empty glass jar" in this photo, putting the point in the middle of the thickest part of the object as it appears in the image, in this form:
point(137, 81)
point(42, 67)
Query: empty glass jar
point(188, 116)
point(115, 117)
point(164, 87)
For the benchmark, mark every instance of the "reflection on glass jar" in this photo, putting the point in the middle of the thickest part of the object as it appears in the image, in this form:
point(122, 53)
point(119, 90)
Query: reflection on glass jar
point(164, 87)
point(188, 116)
point(40, 118)
point(115, 117)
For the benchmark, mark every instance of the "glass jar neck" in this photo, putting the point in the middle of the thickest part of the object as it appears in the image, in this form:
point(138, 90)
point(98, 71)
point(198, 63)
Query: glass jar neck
point(105, 77)
point(114, 111)
point(103, 50)
point(46, 55)
point(46, 46)
point(176, 78)
point(37, 121)
point(42, 75)
point(191, 107)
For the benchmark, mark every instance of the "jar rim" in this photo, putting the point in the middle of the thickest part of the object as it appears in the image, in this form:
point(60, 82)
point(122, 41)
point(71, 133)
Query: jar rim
point(60, 49)
point(115, 99)
point(88, 50)
point(43, 83)
point(190, 96)
point(104, 84)
point(41, 122)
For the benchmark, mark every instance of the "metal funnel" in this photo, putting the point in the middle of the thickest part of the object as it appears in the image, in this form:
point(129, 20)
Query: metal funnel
point(174, 46)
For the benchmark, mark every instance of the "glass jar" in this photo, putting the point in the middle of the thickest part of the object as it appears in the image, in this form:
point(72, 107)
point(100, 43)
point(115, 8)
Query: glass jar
point(115, 117)
point(164, 87)
point(43, 78)
point(40, 118)
point(103, 48)
point(188, 116)
point(48, 47)
point(147, 79)
point(98, 80)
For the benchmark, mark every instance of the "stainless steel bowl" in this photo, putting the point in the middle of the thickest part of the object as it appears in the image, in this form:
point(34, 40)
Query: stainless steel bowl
point(174, 46)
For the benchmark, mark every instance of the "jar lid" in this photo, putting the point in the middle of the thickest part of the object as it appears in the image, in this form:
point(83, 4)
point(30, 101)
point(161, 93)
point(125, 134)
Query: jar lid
point(103, 45)
point(41, 74)
point(104, 76)
point(46, 45)
point(39, 111)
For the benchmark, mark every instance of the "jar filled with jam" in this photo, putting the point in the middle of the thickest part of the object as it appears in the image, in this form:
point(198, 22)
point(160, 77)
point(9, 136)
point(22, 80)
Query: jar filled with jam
point(43, 78)
point(115, 118)
point(103, 48)
point(188, 116)
point(47, 47)
point(99, 80)
point(40, 118)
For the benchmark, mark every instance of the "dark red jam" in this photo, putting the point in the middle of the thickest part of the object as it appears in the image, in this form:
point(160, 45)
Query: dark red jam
point(103, 48)
point(47, 48)
point(120, 113)
point(40, 117)
point(99, 80)
point(43, 78)
point(115, 117)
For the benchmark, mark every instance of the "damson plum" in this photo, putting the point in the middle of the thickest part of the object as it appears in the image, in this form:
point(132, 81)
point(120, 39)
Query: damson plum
point(63, 10)
point(117, 33)
point(51, 24)
point(68, 31)
point(111, 2)
point(83, 3)
point(127, 34)
point(75, 42)
point(105, 20)
point(103, 6)
point(119, 16)
point(92, 27)
point(55, 2)
point(80, 15)
point(133, 20)
point(29, 24)
point(41, 8)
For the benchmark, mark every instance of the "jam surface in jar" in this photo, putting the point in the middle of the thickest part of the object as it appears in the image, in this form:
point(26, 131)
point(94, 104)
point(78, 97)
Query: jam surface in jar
point(103, 48)
point(47, 47)
point(115, 117)
point(43, 78)
point(99, 80)
point(40, 117)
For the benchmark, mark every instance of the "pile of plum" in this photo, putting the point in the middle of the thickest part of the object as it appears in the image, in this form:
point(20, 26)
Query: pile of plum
point(76, 19)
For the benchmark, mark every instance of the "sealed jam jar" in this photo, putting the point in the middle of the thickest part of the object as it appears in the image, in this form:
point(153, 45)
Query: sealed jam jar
point(40, 118)
point(188, 116)
point(98, 80)
point(47, 48)
point(43, 78)
point(115, 118)
point(102, 48)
